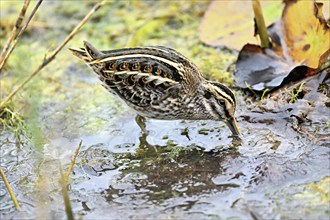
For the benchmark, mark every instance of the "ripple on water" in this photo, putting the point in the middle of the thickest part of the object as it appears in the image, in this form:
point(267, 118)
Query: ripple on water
point(172, 172)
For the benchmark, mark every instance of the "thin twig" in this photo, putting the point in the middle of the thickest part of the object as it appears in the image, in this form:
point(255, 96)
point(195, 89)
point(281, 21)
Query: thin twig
point(55, 52)
point(15, 29)
point(65, 194)
point(262, 30)
point(13, 197)
point(73, 160)
point(64, 184)
point(2, 62)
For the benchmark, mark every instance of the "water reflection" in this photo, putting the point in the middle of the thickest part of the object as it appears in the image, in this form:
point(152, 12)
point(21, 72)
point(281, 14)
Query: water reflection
point(165, 172)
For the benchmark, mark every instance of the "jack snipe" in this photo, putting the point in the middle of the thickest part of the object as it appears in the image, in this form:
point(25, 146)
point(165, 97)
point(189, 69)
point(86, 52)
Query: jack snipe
point(160, 83)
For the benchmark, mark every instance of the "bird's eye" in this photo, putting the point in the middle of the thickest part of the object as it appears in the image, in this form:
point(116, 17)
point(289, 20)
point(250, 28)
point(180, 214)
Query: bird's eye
point(207, 95)
point(221, 102)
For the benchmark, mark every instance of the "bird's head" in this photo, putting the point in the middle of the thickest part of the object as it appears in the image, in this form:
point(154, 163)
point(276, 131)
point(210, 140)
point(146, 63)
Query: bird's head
point(220, 102)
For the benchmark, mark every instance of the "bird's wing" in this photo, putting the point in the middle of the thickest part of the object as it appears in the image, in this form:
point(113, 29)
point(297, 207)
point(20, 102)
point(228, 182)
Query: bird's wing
point(142, 75)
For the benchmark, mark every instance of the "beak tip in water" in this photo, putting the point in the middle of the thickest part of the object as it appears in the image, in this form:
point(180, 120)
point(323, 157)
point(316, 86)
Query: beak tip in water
point(232, 124)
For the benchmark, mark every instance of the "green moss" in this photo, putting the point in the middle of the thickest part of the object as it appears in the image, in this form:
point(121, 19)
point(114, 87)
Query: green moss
point(316, 193)
point(14, 122)
point(147, 30)
point(35, 101)
point(204, 131)
point(296, 93)
point(212, 63)
point(307, 200)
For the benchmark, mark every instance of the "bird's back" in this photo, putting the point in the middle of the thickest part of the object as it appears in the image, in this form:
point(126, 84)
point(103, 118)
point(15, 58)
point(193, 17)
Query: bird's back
point(148, 77)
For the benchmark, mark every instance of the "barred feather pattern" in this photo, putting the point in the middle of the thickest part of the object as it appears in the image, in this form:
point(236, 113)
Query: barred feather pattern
point(155, 81)
point(158, 82)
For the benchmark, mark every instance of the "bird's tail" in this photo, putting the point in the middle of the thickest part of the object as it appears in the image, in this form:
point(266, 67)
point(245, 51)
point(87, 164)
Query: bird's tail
point(88, 53)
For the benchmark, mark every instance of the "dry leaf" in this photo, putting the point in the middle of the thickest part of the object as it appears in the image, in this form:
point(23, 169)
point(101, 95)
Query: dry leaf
point(230, 23)
point(306, 36)
point(301, 49)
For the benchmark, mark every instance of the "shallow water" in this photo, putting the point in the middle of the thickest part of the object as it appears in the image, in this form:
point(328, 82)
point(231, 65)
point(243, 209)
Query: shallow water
point(181, 169)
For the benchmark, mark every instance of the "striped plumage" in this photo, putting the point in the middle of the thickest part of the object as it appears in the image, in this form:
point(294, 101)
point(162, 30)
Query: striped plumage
point(160, 83)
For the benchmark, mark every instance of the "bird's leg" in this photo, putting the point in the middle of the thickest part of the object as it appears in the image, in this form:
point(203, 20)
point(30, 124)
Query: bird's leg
point(141, 121)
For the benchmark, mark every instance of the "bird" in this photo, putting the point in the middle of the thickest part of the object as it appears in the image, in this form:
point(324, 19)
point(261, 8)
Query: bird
point(160, 83)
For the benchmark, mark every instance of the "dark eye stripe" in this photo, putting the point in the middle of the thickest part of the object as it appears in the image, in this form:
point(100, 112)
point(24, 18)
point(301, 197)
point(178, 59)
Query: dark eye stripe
point(214, 109)
point(225, 92)
point(207, 95)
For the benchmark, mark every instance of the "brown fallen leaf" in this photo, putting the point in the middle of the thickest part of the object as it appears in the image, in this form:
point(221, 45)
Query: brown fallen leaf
point(301, 49)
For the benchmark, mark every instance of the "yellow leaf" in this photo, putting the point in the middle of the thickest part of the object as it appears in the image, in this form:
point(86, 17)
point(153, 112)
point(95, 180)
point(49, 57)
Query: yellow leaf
point(307, 36)
point(231, 24)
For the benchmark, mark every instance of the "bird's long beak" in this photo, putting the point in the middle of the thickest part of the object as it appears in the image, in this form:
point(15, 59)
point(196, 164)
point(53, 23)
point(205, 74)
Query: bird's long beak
point(232, 124)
